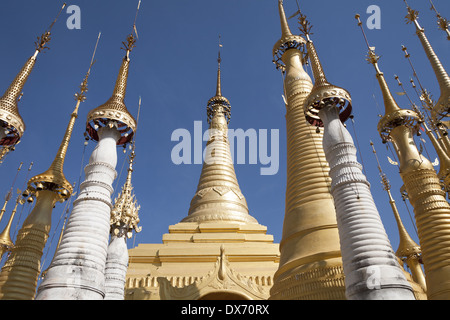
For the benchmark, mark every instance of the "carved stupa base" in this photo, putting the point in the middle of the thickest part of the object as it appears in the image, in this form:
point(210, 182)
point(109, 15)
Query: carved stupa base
point(212, 260)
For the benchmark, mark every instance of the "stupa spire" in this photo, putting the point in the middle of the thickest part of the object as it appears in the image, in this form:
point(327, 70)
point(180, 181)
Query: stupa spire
point(323, 92)
point(287, 40)
point(125, 212)
point(442, 106)
point(285, 30)
point(310, 258)
point(432, 211)
point(114, 111)
point(442, 22)
point(48, 188)
point(124, 219)
point(53, 179)
point(218, 196)
point(110, 124)
point(408, 249)
point(363, 240)
point(12, 126)
point(6, 243)
point(219, 60)
point(439, 143)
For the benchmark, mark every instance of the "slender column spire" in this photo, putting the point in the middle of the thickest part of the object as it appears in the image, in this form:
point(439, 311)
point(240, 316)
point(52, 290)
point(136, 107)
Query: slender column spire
point(442, 107)
point(441, 143)
point(442, 23)
point(6, 243)
point(408, 249)
point(124, 218)
point(218, 196)
point(432, 211)
point(70, 277)
point(12, 125)
point(19, 276)
point(364, 243)
point(9, 193)
point(310, 258)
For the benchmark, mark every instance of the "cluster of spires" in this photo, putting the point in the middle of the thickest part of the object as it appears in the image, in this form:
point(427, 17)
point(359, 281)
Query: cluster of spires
point(396, 126)
point(52, 186)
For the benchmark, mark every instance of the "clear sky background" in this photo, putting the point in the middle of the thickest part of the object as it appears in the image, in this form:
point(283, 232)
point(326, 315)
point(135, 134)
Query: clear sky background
point(173, 69)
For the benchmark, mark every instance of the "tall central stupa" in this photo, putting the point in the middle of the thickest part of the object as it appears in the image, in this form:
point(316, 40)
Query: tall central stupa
point(218, 251)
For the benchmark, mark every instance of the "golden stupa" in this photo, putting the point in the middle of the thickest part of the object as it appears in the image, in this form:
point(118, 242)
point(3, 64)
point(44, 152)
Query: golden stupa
point(218, 251)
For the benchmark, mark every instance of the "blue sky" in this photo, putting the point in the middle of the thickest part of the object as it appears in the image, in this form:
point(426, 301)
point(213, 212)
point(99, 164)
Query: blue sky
point(173, 69)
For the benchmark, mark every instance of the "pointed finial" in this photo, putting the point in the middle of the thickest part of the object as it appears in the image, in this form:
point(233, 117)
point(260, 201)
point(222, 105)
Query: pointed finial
point(218, 88)
point(425, 95)
point(135, 18)
point(412, 16)
point(285, 31)
point(323, 93)
point(287, 41)
point(6, 242)
point(407, 247)
point(81, 95)
point(53, 179)
point(9, 193)
point(304, 25)
point(114, 112)
point(442, 23)
point(125, 213)
point(131, 41)
point(41, 43)
point(442, 106)
point(218, 103)
point(394, 115)
point(12, 125)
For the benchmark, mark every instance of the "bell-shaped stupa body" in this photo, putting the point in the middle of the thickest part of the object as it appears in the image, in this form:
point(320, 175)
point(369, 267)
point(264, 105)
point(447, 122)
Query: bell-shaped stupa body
point(218, 196)
point(218, 251)
point(70, 277)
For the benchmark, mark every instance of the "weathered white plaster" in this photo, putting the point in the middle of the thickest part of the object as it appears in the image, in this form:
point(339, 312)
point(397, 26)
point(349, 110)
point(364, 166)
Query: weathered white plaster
point(370, 265)
point(77, 269)
point(116, 268)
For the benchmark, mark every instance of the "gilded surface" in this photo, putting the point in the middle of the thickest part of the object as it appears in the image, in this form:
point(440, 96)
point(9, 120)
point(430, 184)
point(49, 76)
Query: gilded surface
point(432, 211)
point(125, 212)
point(9, 110)
point(442, 107)
point(19, 275)
point(115, 109)
point(191, 262)
point(310, 240)
point(218, 196)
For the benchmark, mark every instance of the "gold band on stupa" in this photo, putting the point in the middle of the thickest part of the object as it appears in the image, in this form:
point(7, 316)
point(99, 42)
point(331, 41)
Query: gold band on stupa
point(442, 106)
point(10, 119)
point(323, 92)
point(114, 111)
point(286, 42)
